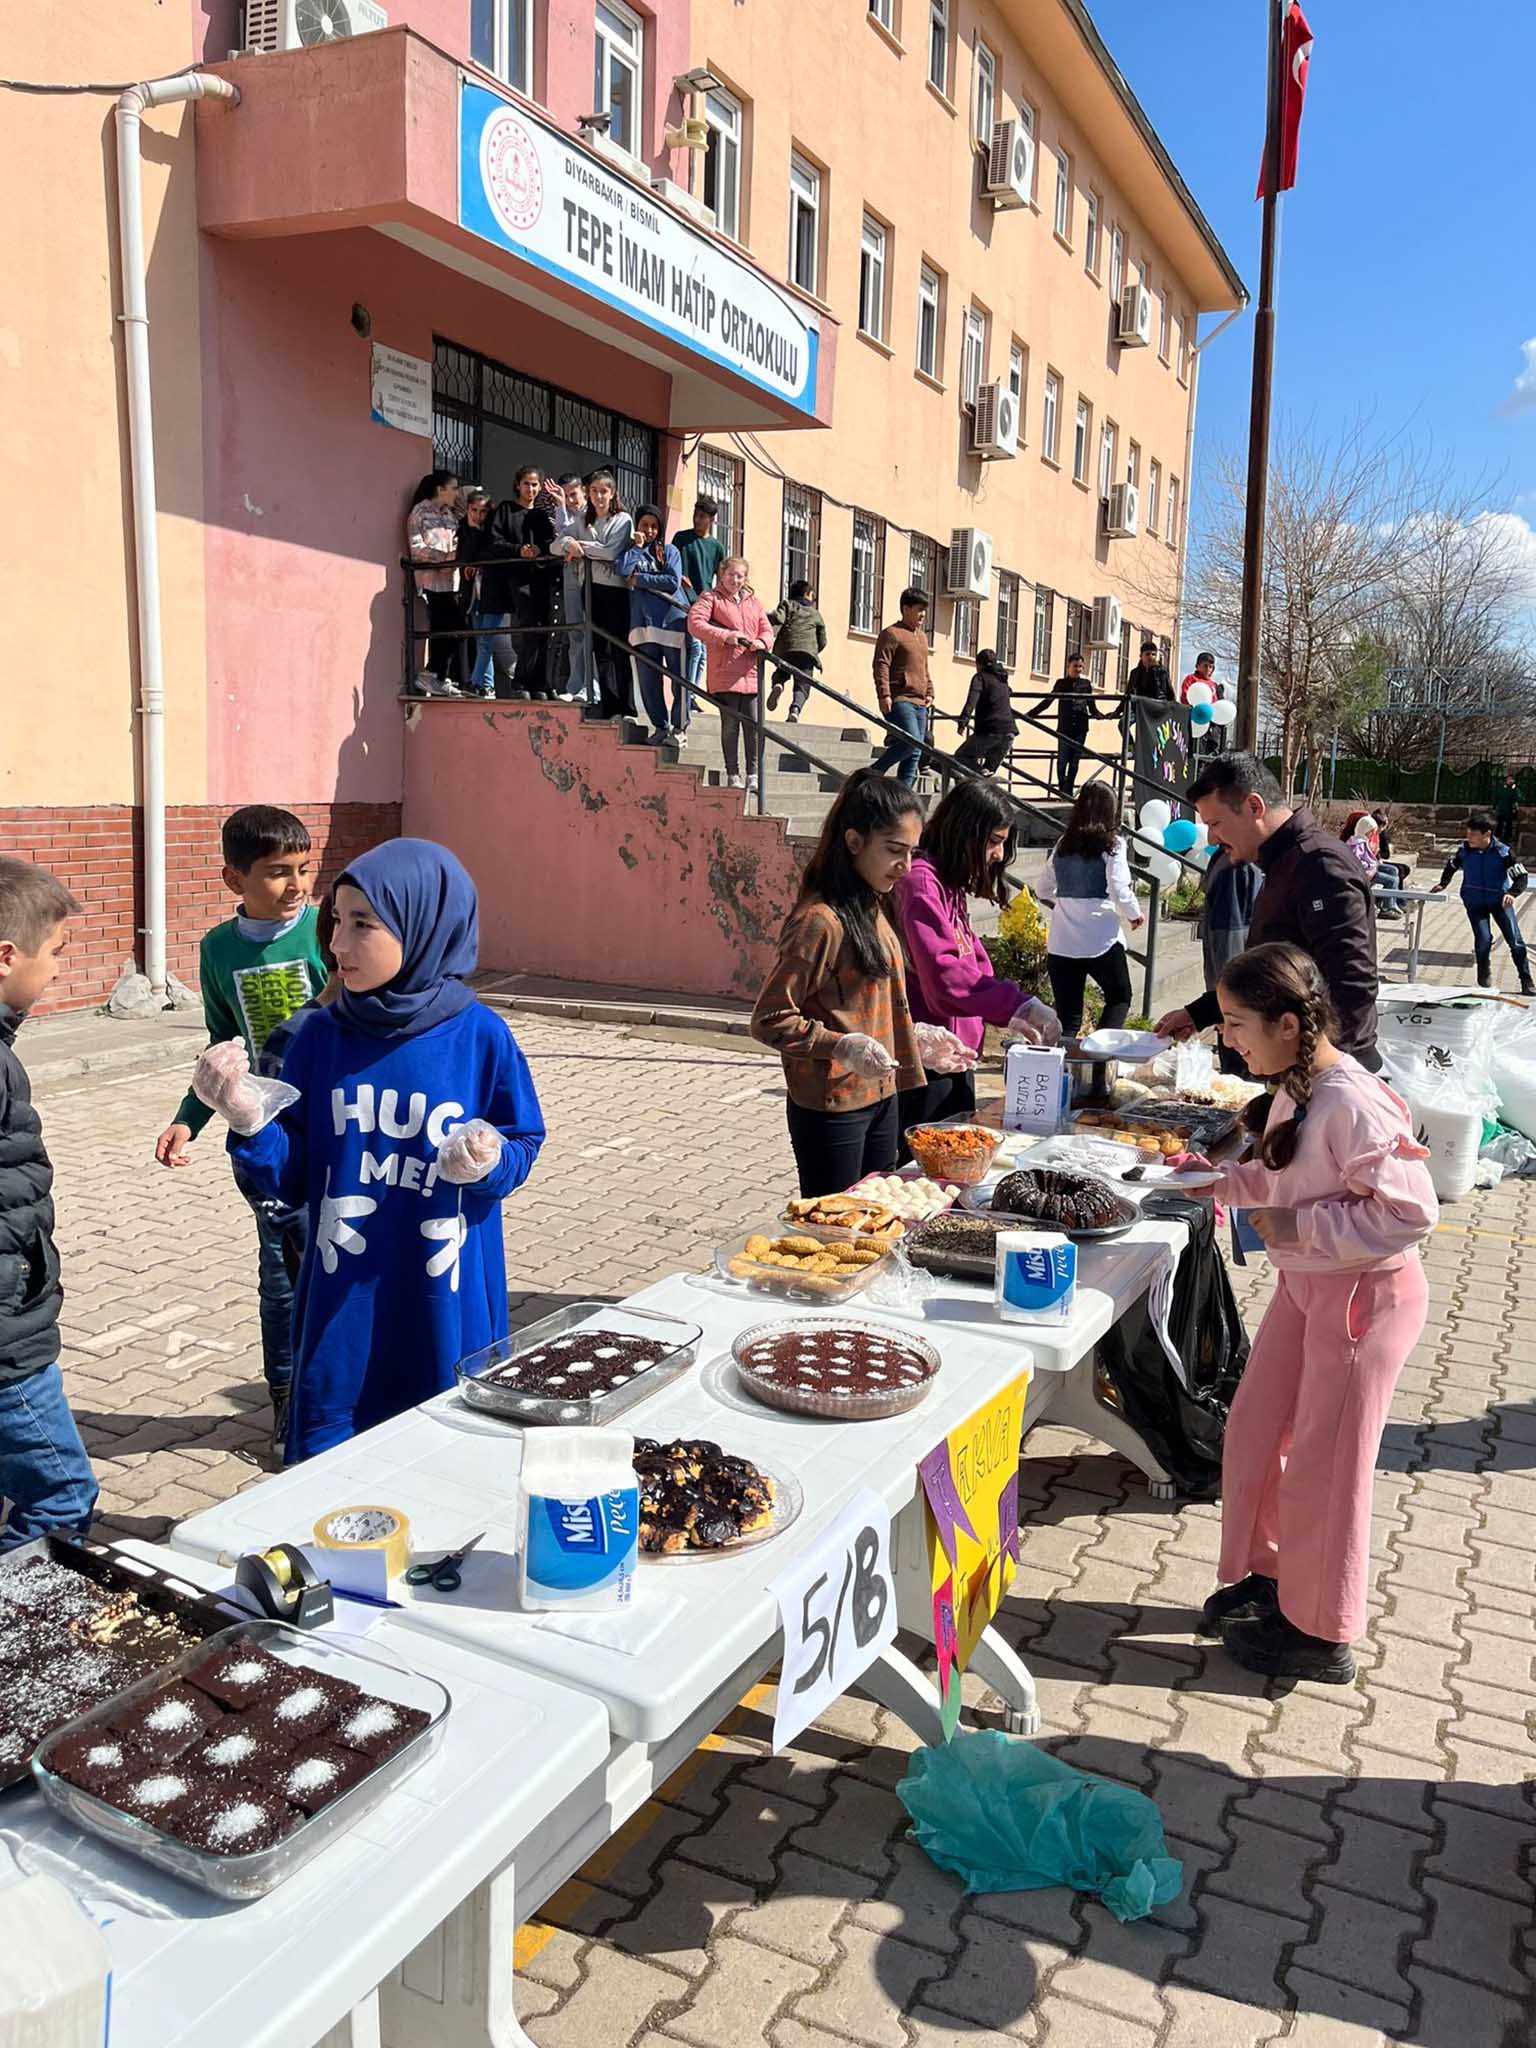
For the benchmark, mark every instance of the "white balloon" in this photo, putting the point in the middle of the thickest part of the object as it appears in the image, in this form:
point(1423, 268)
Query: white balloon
point(1202, 835)
point(1162, 867)
point(1224, 713)
point(1156, 814)
point(1200, 693)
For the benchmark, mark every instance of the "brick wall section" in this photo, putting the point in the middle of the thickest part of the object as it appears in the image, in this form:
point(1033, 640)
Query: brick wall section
point(97, 852)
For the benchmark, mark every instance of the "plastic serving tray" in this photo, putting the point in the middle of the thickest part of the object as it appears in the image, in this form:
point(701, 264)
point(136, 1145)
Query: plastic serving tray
point(826, 1290)
point(597, 1317)
point(259, 1871)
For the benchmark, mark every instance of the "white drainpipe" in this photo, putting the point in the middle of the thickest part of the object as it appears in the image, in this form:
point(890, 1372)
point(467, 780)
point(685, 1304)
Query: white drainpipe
point(155, 92)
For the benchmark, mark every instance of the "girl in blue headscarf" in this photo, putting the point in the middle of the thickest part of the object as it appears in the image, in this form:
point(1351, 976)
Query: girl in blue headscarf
point(415, 1116)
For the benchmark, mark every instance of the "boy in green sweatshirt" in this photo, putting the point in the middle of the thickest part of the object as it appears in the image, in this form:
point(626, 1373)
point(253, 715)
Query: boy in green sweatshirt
point(256, 969)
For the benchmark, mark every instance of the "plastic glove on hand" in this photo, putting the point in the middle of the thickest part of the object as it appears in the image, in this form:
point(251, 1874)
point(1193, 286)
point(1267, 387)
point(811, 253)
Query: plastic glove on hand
point(469, 1153)
point(864, 1056)
point(942, 1052)
point(1035, 1022)
point(222, 1082)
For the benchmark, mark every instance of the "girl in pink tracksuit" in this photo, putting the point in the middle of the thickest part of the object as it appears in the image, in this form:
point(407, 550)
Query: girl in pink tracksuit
point(734, 628)
point(1340, 1194)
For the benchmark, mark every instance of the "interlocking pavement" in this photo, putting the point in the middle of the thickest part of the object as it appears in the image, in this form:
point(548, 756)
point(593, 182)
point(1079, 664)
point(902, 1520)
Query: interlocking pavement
point(1357, 1860)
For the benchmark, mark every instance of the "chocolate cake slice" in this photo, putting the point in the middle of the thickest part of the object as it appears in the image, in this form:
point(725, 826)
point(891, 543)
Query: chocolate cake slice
point(166, 1724)
point(242, 1744)
point(309, 1702)
point(232, 1817)
point(318, 1773)
point(376, 1727)
point(154, 1793)
point(239, 1675)
point(39, 1585)
point(95, 1759)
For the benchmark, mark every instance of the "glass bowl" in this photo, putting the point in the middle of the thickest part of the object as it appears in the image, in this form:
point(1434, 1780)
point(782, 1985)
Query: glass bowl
point(957, 1150)
point(867, 1404)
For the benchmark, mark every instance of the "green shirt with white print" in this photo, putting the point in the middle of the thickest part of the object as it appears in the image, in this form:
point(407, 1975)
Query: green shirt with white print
point(250, 986)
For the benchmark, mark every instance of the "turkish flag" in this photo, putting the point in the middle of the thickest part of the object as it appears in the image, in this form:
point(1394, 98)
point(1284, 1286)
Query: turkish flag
point(1295, 60)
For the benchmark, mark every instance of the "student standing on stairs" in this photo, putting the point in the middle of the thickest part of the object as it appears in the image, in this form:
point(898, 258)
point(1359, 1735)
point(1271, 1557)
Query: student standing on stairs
point(903, 687)
point(733, 629)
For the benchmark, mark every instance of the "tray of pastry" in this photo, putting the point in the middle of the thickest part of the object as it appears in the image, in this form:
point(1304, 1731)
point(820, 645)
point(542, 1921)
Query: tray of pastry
point(699, 1501)
point(78, 1623)
point(1199, 1123)
point(833, 1217)
point(797, 1266)
point(584, 1365)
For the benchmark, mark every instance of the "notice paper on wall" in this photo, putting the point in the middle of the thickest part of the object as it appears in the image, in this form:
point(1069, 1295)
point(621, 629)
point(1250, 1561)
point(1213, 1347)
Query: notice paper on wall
point(401, 391)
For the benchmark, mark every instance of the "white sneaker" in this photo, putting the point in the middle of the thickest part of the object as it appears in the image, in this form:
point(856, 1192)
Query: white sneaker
point(735, 782)
point(751, 785)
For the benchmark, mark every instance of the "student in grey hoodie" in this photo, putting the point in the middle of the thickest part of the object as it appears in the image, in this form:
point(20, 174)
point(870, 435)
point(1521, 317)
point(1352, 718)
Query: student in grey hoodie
point(799, 641)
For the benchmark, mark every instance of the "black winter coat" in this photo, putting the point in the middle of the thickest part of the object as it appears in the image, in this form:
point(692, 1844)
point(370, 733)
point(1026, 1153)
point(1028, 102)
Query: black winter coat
point(30, 1294)
point(508, 583)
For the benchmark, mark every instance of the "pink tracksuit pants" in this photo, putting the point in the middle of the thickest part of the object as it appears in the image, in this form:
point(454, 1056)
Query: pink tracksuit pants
point(1303, 1436)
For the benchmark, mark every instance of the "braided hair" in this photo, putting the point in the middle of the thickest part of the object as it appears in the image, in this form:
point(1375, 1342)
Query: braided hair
point(1278, 981)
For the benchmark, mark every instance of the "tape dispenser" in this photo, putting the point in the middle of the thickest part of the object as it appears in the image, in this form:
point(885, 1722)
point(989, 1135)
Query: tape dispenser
point(285, 1585)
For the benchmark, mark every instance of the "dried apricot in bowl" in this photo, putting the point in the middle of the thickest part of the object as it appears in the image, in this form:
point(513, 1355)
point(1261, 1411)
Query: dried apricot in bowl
point(960, 1153)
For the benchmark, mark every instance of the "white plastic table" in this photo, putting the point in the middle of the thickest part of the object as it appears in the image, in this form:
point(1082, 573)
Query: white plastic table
point(402, 1931)
point(1416, 901)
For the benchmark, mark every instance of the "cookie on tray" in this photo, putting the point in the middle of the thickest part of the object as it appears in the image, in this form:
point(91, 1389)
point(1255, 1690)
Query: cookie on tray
point(239, 1675)
point(318, 1773)
point(376, 1727)
point(165, 1724)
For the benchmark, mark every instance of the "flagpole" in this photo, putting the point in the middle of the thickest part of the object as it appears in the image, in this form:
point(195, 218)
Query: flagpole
point(1250, 636)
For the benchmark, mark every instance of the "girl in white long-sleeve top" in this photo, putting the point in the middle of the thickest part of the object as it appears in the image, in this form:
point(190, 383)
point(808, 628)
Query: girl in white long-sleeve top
point(603, 535)
point(1087, 884)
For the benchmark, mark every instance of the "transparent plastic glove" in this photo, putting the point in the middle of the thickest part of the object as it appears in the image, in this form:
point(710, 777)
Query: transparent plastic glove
point(864, 1056)
point(469, 1153)
point(941, 1051)
point(223, 1082)
point(1035, 1022)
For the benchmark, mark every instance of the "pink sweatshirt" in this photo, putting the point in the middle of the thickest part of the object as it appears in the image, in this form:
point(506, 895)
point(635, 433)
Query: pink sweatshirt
point(949, 979)
point(1358, 1184)
point(716, 619)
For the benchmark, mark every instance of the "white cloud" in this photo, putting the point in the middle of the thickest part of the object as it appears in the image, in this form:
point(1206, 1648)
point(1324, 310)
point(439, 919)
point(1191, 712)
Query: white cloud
point(1523, 398)
point(1516, 540)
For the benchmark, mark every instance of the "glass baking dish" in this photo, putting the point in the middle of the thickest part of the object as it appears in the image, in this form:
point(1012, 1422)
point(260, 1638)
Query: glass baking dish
point(259, 1871)
point(569, 1408)
point(789, 1283)
point(870, 1404)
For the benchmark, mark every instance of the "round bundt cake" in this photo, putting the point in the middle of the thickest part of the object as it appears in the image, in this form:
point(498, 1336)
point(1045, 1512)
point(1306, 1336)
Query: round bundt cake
point(1075, 1201)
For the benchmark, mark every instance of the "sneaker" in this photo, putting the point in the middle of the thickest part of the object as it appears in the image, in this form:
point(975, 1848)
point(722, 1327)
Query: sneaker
point(793, 718)
point(735, 782)
point(751, 785)
point(1246, 1600)
point(1274, 1648)
point(1528, 988)
point(281, 1401)
point(1485, 981)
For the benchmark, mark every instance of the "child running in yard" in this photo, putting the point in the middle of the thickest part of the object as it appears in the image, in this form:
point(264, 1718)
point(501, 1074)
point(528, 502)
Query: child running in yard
point(1491, 881)
point(1339, 1192)
point(416, 1115)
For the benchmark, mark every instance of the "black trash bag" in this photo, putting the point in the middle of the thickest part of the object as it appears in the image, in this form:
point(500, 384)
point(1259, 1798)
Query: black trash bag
point(1182, 1427)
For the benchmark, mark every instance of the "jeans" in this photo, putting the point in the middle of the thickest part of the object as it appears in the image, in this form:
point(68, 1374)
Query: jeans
point(1482, 940)
point(1069, 980)
point(482, 675)
point(738, 716)
point(44, 1471)
point(835, 1147)
point(274, 1288)
point(796, 669)
point(695, 662)
point(912, 718)
point(654, 662)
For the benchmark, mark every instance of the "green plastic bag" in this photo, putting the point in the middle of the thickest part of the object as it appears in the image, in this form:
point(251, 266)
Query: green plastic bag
point(1008, 1817)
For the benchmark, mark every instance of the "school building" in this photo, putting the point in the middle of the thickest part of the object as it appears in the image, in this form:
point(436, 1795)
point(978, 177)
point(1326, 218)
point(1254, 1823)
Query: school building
point(911, 286)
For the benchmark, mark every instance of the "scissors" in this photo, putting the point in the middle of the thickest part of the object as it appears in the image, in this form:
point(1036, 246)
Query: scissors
point(444, 1576)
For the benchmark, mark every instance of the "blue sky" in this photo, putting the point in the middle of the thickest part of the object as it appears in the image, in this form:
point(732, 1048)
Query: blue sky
point(1408, 248)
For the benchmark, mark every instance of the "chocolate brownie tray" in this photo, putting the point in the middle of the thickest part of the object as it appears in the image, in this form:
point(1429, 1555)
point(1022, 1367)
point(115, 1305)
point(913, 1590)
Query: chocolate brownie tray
point(586, 1365)
point(845, 1370)
point(79, 1623)
point(252, 1796)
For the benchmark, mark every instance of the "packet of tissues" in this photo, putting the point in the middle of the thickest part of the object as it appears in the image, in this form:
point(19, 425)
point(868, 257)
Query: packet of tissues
point(579, 1507)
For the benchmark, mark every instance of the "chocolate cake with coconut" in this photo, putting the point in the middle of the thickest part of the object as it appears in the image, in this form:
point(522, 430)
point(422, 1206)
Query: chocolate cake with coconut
point(580, 1366)
point(846, 1373)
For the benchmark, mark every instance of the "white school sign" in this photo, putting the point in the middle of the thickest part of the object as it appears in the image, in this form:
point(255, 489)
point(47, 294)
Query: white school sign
point(527, 188)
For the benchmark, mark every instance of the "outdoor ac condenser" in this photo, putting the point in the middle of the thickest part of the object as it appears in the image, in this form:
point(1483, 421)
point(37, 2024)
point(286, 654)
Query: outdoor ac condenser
point(1122, 512)
point(995, 428)
point(1010, 165)
point(970, 563)
point(272, 25)
point(1135, 316)
point(1104, 624)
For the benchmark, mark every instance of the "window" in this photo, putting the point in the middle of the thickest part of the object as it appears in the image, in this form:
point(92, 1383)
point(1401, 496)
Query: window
point(1097, 666)
point(802, 536)
point(1091, 233)
point(1173, 511)
point(1050, 419)
point(1181, 344)
point(1116, 263)
point(1063, 220)
point(1082, 441)
point(1164, 325)
point(1154, 492)
point(1029, 121)
point(938, 45)
point(1164, 649)
point(619, 45)
point(866, 595)
point(872, 279)
point(1007, 619)
point(1017, 360)
point(973, 366)
point(724, 478)
point(967, 626)
point(1133, 462)
point(928, 296)
point(884, 11)
point(1109, 442)
point(804, 225)
point(1077, 627)
point(501, 39)
point(923, 574)
point(722, 162)
point(1045, 627)
point(984, 102)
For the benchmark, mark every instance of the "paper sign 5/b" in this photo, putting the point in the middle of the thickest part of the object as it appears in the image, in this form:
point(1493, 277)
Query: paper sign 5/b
point(837, 1607)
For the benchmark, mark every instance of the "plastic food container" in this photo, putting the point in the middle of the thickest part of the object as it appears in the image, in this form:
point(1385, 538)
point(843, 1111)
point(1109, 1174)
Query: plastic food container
point(959, 1246)
point(599, 1318)
point(259, 1871)
point(900, 1191)
point(733, 1262)
point(868, 1404)
point(958, 1150)
point(882, 1225)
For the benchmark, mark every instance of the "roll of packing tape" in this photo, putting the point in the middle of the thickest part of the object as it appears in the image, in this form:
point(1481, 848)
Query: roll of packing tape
point(368, 1528)
point(276, 1562)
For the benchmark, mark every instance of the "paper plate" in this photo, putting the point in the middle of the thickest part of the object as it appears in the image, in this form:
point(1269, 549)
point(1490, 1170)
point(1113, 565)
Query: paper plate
point(1134, 1047)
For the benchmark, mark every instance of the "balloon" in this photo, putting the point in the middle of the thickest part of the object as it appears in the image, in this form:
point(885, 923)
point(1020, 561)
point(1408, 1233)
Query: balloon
point(1179, 837)
point(1156, 815)
point(1162, 867)
point(1202, 836)
point(1200, 716)
point(1224, 713)
point(1199, 693)
point(1203, 854)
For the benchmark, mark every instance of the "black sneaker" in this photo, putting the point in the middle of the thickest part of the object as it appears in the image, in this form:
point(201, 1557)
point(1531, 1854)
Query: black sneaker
point(281, 1401)
point(1272, 1647)
point(1248, 1599)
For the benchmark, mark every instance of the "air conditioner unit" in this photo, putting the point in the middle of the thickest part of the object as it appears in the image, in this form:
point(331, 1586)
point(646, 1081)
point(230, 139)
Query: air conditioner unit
point(1010, 165)
point(1104, 625)
point(970, 563)
point(1135, 316)
point(272, 25)
point(995, 426)
point(1122, 513)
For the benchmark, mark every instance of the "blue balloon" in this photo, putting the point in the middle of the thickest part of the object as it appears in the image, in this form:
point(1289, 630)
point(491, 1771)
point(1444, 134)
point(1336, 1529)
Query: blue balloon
point(1199, 717)
point(1180, 836)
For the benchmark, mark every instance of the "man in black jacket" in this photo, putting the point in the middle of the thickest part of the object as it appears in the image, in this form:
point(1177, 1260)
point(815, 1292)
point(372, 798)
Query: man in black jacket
point(1149, 678)
point(44, 1471)
point(1073, 697)
point(1315, 895)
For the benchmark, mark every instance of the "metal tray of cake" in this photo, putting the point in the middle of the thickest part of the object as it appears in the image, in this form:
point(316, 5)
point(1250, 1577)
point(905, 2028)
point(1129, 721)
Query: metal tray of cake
point(256, 1872)
point(926, 1247)
point(1126, 1212)
point(165, 1609)
point(1203, 1123)
point(570, 1407)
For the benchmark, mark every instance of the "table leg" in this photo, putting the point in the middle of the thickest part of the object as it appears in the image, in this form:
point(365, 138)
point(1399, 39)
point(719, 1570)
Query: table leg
point(894, 1681)
point(360, 2028)
point(455, 1989)
point(1001, 1666)
point(1077, 1406)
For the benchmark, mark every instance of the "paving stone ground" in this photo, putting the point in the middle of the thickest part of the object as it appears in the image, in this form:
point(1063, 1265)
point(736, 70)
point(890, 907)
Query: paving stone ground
point(1358, 1860)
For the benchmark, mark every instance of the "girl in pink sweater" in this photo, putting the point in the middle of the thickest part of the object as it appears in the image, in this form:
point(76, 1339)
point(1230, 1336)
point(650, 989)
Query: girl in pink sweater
point(1339, 1192)
point(734, 628)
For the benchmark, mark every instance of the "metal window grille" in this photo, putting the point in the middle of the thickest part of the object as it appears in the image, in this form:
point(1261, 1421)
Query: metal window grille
point(802, 536)
point(723, 478)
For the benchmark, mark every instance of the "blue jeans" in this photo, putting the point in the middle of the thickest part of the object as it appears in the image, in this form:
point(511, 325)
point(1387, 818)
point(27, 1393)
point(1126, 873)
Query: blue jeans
point(482, 676)
point(44, 1471)
point(695, 663)
point(274, 1287)
point(653, 686)
point(912, 718)
point(1482, 939)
